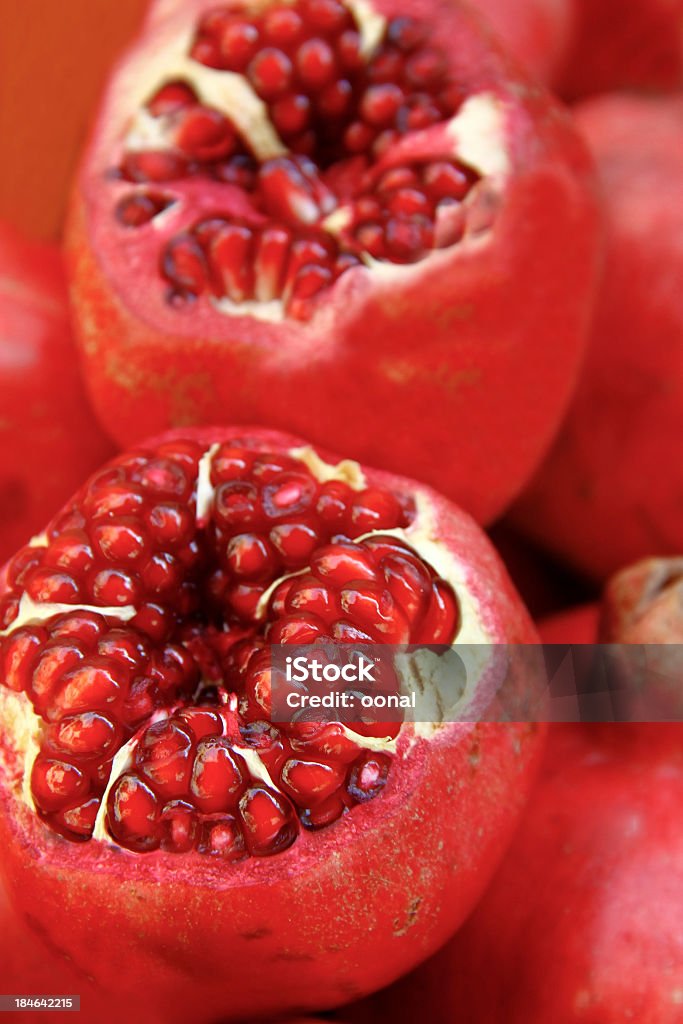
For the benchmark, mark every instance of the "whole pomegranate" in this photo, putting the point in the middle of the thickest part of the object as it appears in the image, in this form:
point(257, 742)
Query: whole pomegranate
point(321, 217)
point(158, 827)
point(616, 45)
point(610, 491)
point(49, 439)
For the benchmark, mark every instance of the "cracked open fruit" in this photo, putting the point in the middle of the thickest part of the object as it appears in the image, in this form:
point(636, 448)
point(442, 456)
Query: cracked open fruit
point(161, 830)
point(320, 217)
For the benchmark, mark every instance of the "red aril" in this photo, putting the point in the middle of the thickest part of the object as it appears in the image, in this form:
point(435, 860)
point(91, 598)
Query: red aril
point(179, 840)
point(610, 491)
point(49, 439)
point(272, 208)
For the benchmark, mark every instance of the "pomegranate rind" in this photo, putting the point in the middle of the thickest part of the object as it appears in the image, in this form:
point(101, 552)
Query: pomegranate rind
point(501, 316)
point(339, 914)
point(594, 871)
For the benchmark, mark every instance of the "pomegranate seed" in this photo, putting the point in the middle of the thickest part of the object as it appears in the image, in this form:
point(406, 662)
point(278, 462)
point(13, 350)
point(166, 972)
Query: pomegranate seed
point(408, 238)
point(184, 266)
point(287, 193)
point(368, 776)
point(282, 26)
point(223, 838)
point(77, 822)
point(315, 63)
point(381, 103)
point(425, 68)
point(294, 542)
point(121, 541)
point(201, 722)
point(169, 523)
point(445, 181)
point(49, 586)
point(268, 821)
point(93, 686)
point(154, 166)
point(207, 51)
point(324, 813)
point(358, 137)
point(328, 16)
point(441, 621)
point(310, 782)
point(204, 134)
point(112, 587)
point(20, 652)
point(84, 736)
point(407, 201)
point(386, 67)
point(270, 72)
point(170, 98)
point(249, 556)
point(231, 262)
point(371, 606)
point(335, 99)
point(291, 114)
point(218, 776)
point(55, 783)
point(238, 43)
point(140, 208)
point(178, 827)
point(350, 51)
point(236, 505)
point(406, 33)
point(270, 261)
point(134, 818)
point(164, 759)
point(340, 563)
point(374, 509)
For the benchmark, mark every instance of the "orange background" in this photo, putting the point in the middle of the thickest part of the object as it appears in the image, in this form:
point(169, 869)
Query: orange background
point(54, 58)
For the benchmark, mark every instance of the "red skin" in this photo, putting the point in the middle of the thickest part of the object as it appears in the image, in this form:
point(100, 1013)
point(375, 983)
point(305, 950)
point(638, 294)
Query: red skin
point(536, 33)
point(496, 360)
point(611, 490)
point(617, 45)
point(343, 902)
point(573, 626)
point(583, 921)
point(49, 439)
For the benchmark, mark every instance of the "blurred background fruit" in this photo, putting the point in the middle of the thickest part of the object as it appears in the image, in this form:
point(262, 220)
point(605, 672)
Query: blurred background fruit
point(611, 491)
point(49, 439)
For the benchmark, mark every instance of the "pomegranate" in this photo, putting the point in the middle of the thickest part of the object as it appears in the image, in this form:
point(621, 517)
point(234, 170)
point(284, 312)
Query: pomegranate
point(276, 203)
point(537, 33)
point(156, 821)
point(48, 437)
point(618, 45)
point(610, 491)
point(582, 921)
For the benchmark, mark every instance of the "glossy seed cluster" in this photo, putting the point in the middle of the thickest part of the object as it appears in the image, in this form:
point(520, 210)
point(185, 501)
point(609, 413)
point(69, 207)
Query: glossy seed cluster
point(338, 109)
point(167, 646)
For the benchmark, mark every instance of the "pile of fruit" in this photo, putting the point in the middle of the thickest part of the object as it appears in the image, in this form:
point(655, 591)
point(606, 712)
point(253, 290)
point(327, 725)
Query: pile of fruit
point(349, 322)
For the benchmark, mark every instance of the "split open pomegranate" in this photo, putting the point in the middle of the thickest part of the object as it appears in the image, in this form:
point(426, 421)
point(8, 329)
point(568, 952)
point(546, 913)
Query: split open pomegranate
point(280, 199)
point(164, 831)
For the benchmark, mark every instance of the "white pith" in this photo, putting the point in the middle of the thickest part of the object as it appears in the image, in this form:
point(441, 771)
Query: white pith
point(476, 136)
point(20, 721)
